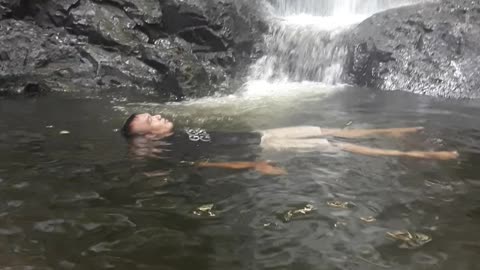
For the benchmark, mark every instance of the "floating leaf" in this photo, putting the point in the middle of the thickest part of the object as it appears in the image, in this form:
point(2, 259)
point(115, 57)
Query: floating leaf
point(369, 219)
point(340, 224)
point(204, 210)
point(409, 240)
point(339, 204)
point(297, 212)
point(156, 173)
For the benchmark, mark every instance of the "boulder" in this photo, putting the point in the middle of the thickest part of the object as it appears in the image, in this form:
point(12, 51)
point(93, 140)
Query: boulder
point(32, 58)
point(429, 49)
point(168, 48)
point(5, 8)
point(105, 24)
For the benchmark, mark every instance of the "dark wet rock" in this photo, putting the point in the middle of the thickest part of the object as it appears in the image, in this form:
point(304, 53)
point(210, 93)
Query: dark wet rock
point(142, 11)
point(190, 74)
point(105, 24)
point(114, 70)
point(427, 49)
point(11, 8)
point(34, 60)
point(169, 48)
point(5, 8)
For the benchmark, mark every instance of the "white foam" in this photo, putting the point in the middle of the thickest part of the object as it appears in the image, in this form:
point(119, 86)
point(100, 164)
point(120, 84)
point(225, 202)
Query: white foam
point(285, 88)
point(327, 23)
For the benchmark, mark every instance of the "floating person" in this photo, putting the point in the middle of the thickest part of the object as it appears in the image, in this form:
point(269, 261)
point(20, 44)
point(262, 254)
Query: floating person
point(149, 134)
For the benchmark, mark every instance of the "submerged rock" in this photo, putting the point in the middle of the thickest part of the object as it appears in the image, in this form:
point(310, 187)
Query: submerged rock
point(168, 48)
point(429, 49)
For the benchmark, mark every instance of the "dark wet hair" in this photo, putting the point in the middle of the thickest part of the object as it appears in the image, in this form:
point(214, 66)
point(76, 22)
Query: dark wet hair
point(126, 128)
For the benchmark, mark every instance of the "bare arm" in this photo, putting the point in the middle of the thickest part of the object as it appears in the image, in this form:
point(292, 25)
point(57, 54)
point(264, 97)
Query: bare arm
point(261, 166)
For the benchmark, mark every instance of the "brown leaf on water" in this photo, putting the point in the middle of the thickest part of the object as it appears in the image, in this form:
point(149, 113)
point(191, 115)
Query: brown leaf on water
point(204, 210)
point(289, 215)
point(156, 173)
point(408, 239)
point(369, 219)
point(339, 204)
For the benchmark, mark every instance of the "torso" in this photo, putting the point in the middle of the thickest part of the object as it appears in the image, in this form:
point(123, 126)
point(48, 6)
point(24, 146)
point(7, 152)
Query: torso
point(194, 144)
point(199, 136)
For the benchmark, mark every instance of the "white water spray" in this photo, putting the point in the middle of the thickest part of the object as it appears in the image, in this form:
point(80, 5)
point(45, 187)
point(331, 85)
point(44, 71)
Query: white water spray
point(304, 42)
point(335, 7)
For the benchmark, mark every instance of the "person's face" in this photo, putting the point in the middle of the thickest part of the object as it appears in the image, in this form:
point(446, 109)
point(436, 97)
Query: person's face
point(151, 125)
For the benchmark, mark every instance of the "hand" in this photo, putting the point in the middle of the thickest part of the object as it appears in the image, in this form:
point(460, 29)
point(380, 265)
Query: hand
point(267, 169)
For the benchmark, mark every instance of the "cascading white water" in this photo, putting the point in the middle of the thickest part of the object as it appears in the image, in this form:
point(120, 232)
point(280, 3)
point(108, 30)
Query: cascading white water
point(303, 43)
point(302, 48)
point(335, 7)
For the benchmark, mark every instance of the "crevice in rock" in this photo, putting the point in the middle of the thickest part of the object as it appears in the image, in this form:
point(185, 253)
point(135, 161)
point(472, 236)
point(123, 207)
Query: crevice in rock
point(151, 32)
point(176, 20)
point(75, 5)
point(115, 4)
point(85, 55)
point(202, 35)
point(170, 82)
point(160, 67)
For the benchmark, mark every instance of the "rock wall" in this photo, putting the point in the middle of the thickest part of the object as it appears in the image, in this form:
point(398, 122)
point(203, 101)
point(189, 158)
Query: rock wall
point(167, 48)
point(430, 49)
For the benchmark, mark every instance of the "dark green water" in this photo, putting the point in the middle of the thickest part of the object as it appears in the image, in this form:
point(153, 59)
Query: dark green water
point(78, 201)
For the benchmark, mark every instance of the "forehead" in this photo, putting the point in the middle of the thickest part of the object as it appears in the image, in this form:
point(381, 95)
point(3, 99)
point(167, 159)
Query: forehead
point(141, 117)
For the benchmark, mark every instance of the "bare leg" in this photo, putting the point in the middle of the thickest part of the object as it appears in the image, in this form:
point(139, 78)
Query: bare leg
point(300, 132)
point(356, 133)
point(262, 166)
point(357, 149)
point(301, 145)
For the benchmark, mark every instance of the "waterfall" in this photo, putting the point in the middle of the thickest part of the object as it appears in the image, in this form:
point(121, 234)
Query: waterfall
point(304, 41)
point(335, 7)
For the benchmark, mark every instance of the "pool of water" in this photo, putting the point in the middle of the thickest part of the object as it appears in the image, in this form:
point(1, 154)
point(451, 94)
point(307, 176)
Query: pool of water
point(72, 198)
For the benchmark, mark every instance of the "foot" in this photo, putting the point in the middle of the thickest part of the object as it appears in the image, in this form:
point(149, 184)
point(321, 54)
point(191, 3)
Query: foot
point(441, 155)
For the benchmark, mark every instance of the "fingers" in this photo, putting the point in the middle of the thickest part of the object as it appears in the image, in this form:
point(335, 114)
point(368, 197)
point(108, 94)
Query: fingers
point(268, 169)
point(272, 171)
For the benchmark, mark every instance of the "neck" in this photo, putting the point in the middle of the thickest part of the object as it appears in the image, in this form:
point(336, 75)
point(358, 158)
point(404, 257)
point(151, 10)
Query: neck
point(159, 136)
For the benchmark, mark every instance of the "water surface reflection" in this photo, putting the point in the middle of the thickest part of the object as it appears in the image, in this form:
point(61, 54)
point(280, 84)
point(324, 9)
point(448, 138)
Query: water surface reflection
point(78, 201)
